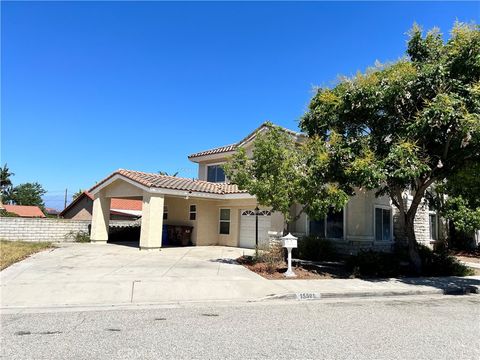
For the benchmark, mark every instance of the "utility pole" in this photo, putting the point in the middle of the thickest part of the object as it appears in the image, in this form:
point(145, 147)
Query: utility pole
point(65, 202)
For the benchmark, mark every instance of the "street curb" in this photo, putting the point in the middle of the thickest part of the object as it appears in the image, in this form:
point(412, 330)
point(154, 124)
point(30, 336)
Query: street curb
point(315, 295)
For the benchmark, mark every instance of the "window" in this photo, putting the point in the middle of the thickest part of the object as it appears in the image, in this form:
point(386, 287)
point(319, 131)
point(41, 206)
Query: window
point(335, 225)
point(317, 227)
point(193, 212)
point(225, 221)
point(215, 173)
point(330, 227)
point(383, 224)
point(433, 227)
point(165, 212)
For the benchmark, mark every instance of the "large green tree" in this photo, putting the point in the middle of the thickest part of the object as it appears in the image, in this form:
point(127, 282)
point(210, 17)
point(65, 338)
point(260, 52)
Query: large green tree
point(406, 125)
point(284, 171)
point(29, 194)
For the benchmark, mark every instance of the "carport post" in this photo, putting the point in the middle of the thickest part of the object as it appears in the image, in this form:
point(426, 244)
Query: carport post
point(152, 221)
point(100, 219)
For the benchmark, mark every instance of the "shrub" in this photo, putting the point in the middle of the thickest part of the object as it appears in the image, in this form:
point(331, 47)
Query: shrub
point(78, 236)
point(374, 264)
point(272, 256)
point(440, 263)
point(379, 264)
point(314, 248)
point(5, 213)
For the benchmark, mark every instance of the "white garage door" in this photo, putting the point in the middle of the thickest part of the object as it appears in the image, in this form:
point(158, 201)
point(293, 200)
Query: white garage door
point(247, 228)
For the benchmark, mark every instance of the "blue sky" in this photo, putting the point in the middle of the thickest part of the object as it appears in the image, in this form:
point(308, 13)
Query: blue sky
point(90, 87)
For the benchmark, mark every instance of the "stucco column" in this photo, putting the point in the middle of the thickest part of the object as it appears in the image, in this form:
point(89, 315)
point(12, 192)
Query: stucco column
point(152, 221)
point(100, 219)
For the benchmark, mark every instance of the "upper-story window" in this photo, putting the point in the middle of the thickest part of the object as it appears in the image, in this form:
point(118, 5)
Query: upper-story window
point(215, 173)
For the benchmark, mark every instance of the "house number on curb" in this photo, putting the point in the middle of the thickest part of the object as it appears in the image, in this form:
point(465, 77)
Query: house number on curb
point(307, 296)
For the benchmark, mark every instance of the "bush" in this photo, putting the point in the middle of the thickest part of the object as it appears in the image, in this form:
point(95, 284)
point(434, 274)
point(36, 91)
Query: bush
point(314, 248)
point(272, 256)
point(440, 263)
point(5, 213)
point(379, 264)
point(374, 264)
point(78, 236)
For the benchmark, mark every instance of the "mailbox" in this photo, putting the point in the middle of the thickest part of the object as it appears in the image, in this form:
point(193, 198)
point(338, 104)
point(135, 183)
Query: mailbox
point(289, 241)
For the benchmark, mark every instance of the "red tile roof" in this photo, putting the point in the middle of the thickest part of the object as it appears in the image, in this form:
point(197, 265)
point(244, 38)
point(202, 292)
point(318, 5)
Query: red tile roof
point(233, 147)
point(219, 150)
point(153, 180)
point(25, 211)
point(126, 204)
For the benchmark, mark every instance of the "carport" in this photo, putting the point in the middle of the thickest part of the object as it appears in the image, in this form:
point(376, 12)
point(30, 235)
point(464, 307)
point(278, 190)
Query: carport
point(168, 199)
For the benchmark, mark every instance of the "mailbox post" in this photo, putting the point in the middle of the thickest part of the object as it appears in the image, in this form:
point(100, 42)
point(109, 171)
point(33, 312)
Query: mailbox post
point(289, 242)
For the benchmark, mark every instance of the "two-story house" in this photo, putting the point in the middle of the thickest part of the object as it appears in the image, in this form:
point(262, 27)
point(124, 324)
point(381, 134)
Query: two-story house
point(221, 214)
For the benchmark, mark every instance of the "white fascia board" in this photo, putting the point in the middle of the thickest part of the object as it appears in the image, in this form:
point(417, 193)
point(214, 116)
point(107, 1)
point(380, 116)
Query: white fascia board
point(239, 196)
point(119, 177)
point(217, 156)
point(199, 194)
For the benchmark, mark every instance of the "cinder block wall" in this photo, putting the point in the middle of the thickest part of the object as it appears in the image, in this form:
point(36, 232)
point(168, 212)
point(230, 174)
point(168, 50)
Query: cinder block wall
point(55, 230)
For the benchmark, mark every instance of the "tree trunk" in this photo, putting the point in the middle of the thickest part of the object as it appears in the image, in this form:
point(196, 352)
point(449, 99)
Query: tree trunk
point(412, 244)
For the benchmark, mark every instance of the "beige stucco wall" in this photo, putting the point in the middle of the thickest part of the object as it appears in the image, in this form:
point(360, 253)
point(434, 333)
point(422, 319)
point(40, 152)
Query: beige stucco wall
point(120, 188)
point(360, 215)
point(206, 227)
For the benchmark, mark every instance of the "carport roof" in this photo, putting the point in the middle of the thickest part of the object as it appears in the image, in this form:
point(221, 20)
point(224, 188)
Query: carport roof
point(153, 180)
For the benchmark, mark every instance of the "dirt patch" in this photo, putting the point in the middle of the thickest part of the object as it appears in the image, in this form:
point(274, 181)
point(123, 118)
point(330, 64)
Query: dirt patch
point(302, 270)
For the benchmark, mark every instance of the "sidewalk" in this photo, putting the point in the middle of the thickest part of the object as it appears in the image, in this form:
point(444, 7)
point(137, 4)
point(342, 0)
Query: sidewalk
point(340, 288)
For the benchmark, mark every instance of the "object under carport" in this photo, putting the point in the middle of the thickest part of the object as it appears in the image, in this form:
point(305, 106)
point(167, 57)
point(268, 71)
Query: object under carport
point(179, 235)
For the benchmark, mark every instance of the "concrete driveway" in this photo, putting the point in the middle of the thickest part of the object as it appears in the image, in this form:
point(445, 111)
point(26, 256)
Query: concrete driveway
point(92, 275)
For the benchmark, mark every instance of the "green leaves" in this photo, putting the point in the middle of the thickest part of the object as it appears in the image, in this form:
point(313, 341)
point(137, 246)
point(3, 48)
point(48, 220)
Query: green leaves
point(29, 194)
point(464, 217)
point(282, 173)
point(272, 172)
point(406, 123)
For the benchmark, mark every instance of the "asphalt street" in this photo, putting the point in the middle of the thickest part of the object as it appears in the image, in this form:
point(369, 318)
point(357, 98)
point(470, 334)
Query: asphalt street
point(441, 327)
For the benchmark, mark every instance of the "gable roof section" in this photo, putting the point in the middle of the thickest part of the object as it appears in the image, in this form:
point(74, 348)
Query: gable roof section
point(157, 181)
point(117, 204)
point(245, 140)
point(25, 211)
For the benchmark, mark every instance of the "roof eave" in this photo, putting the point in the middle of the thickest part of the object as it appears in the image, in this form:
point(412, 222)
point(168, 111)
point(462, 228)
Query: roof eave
point(216, 156)
point(166, 191)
